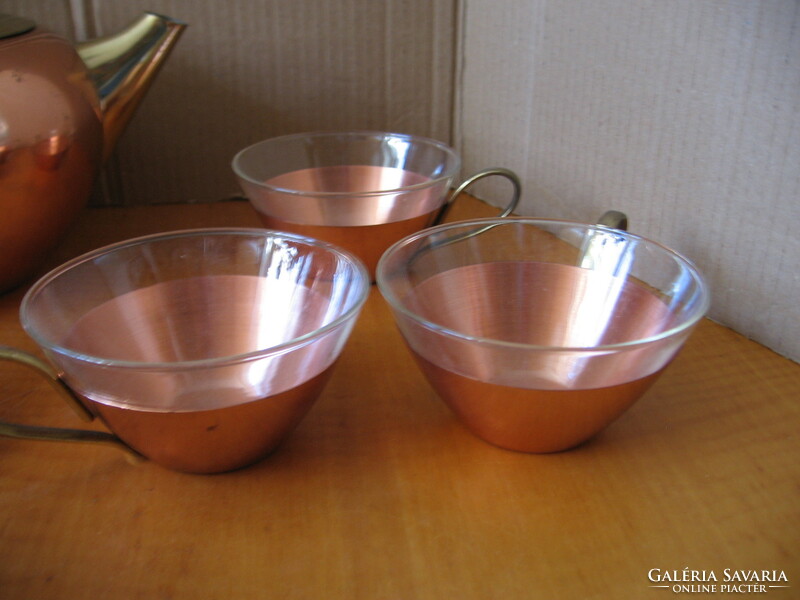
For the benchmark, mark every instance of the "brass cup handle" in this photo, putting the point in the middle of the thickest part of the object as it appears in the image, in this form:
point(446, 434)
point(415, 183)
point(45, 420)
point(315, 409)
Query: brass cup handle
point(34, 432)
point(614, 219)
point(494, 171)
point(592, 255)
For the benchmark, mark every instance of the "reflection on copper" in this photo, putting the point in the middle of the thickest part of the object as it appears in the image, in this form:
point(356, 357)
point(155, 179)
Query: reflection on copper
point(220, 416)
point(202, 318)
point(45, 88)
point(522, 372)
point(350, 195)
point(543, 304)
point(362, 208)
point(49, 153)
point(5, 146)
point(31, 227)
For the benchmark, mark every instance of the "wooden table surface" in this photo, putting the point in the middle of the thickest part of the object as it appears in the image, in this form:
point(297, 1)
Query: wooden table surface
point(381, 494)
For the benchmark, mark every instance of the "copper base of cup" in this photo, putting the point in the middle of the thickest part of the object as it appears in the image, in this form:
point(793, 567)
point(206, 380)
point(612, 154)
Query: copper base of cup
point(533, 421)
point(194, 390)
point(528, 371)
point(213, 441)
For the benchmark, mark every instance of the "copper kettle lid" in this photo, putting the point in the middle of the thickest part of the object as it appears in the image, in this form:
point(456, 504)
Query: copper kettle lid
point(11, 26)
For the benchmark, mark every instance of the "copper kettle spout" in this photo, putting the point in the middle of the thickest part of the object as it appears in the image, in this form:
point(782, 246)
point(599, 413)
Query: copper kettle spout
point(123, 65)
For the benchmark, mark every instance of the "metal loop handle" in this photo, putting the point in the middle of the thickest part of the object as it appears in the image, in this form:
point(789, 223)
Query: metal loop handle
point(614, 219)
point(507, 173)
point(32, 432)
point(593, 256)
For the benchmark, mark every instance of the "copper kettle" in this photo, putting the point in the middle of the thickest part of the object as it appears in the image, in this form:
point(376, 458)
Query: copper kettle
point(62, 109)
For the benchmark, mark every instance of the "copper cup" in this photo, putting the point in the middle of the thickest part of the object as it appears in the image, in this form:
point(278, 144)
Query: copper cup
point(540, 333)
point(362, 191)
point(200, 349)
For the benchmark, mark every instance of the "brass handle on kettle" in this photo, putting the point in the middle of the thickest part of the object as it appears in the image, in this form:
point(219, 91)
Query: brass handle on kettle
point(35, 432)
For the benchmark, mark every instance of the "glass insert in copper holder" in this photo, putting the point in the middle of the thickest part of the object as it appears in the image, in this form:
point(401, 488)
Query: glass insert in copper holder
point(360, 190)
point(540, 333)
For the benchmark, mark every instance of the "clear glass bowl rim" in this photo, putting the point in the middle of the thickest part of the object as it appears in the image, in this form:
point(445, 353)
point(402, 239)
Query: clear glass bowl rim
point(361, 279)
point(456, 160)
point(397, 305)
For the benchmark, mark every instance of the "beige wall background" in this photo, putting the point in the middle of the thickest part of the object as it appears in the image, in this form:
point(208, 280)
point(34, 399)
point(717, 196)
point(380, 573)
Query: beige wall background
point(683, 113)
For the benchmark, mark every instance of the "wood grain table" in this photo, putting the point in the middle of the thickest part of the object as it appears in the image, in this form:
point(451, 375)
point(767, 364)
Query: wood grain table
point(380, 494)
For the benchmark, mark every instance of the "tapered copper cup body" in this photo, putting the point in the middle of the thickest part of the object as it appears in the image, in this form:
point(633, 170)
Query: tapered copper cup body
point(538, 333)
point(200, 349)
point(362, 191)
